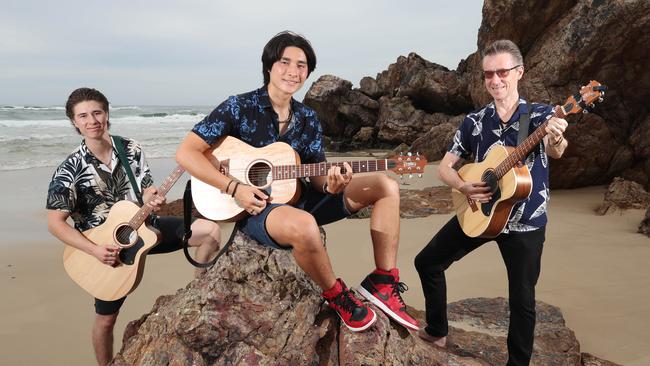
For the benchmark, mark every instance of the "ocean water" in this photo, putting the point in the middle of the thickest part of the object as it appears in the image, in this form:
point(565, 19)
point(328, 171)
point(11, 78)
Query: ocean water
point(39, 136)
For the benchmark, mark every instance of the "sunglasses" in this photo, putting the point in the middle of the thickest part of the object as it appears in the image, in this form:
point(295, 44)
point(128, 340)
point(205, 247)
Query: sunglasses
point(502, 73)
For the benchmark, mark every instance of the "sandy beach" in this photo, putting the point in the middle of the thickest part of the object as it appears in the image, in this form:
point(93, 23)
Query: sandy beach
point(595, 268)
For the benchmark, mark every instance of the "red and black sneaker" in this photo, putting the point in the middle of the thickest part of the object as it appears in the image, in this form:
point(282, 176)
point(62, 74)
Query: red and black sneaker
point(355, 315)
point(382, 288)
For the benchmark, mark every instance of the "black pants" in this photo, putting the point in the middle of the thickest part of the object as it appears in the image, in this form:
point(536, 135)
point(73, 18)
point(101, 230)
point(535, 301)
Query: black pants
point(521, 252)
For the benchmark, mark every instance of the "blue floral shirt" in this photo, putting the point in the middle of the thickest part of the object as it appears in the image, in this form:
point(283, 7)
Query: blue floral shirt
point(250, 117)
point(481, 130)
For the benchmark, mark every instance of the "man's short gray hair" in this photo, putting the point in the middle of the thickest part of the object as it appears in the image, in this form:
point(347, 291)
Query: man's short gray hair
point(504, 46)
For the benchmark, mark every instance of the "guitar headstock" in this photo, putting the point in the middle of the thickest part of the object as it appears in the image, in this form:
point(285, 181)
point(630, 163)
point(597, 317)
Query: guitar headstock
point(407, 164)
point(584, 100)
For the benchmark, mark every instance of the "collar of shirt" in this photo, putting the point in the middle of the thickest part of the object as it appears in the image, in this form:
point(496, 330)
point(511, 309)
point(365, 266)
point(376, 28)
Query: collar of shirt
point(90, 158)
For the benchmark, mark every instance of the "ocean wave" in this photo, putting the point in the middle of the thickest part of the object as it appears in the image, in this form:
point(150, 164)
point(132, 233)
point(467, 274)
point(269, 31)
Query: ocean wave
point(32, 138)
point(13, 123)
point(124, 107)
point(32, 108)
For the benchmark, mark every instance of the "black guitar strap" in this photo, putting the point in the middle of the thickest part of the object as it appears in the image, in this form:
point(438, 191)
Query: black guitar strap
point(119, 146)
point(524, 125)
point(187, 222)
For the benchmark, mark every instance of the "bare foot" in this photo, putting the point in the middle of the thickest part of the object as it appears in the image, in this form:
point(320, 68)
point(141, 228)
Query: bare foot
point(438, 341)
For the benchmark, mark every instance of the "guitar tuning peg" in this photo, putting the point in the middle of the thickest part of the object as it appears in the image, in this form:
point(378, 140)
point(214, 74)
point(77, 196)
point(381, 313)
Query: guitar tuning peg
point(585, 111)
point(600, 100)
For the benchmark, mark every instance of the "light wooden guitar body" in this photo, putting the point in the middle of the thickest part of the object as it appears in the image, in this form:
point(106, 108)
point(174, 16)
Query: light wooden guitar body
point(100, 280)
point(488, 220)
point(247, 165)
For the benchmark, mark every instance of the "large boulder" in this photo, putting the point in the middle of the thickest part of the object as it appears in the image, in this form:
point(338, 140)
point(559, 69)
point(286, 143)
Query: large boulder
point(257, 307)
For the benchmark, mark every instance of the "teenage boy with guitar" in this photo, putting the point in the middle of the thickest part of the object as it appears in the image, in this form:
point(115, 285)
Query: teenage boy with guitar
point(268, 115)
point(89, 182)
point(521, 240)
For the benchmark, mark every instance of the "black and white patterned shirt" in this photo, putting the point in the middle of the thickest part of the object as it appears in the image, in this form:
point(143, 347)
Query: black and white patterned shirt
point(87, 188)
point(481, 130)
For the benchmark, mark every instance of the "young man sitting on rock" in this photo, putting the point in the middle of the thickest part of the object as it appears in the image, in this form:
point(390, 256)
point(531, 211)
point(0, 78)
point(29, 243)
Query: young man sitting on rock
point(270, 114)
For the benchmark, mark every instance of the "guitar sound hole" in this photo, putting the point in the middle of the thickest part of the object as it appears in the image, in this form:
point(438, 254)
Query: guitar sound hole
point(125, 235)
point(491, 180)
point(259, 174)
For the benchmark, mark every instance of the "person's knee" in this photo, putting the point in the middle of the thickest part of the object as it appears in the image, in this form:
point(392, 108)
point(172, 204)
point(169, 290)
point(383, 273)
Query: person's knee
point(424, 264)
point(206, 233)
point(387, 186)
point(304, 232)
point(105, 322)
point(214, 235)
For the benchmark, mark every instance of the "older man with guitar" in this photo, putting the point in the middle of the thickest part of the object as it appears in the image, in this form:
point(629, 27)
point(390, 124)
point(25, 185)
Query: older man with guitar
point(503, 196)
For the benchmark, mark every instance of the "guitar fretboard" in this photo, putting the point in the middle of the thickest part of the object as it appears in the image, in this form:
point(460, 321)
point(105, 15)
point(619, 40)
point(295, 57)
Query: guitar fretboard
point(145, 210)
point(320, 169)
point(527, 145)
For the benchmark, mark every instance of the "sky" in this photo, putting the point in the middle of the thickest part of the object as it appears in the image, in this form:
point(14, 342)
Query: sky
point(200, 52)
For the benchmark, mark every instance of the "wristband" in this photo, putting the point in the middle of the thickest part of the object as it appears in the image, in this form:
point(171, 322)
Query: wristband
point(228, 186)
point(234, 190)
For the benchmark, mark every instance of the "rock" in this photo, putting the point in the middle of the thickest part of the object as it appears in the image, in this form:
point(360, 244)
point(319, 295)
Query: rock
point(400, 122)
point(418, 203)
point(435, 142)
point(369, 87)
point(591, 360)
point(644, 228)
point(359, 109)
point(257, 307)
point(364, 136)
point(324, 96)
point(622, 195)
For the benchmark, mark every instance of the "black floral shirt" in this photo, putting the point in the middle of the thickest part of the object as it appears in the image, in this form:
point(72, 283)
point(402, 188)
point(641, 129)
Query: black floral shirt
point(87, 188)
point(250, 117)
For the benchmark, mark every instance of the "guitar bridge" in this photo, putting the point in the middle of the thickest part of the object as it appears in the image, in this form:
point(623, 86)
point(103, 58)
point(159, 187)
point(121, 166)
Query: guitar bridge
point(472, 204)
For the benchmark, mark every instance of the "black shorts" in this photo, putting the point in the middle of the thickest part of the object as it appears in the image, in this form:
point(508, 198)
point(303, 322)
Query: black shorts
point(172, 231)
point(325, 208)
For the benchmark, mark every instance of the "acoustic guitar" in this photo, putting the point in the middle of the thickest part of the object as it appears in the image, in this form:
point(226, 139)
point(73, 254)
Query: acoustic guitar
point(506, 175)
point(275, 169)
point(123, 227)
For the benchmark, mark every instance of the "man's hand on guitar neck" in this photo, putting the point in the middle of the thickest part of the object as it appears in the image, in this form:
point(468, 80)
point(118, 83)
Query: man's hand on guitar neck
point(337, 181)
point(152, 199)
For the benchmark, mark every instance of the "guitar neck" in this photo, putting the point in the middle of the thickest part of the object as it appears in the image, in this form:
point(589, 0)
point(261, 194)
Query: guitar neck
point(526, 146)
point(321, 169)
point(146, 210)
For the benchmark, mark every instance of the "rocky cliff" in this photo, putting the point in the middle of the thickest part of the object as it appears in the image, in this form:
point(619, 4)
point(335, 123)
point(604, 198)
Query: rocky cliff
point(565, 44)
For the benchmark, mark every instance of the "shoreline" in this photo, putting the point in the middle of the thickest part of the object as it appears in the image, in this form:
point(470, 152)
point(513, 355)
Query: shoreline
point(594, 268)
